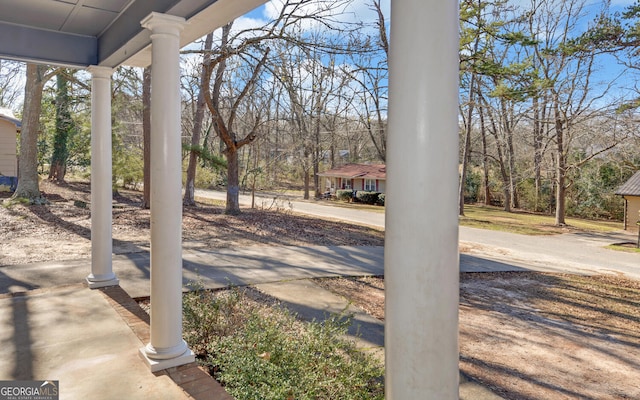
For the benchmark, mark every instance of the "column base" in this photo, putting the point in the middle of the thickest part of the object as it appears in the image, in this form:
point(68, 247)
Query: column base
point(95, 282)
point(156, 365)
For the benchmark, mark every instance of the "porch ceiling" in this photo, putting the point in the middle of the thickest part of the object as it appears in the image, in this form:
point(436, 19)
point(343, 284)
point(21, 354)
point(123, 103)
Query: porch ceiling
point(80, 33)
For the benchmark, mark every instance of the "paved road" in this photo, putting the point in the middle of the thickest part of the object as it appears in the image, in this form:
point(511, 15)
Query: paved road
point(575, 252)
point(315, 208)
point(483, 250)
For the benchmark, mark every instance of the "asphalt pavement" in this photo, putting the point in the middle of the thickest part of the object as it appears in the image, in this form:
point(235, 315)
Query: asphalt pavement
point(581, 253)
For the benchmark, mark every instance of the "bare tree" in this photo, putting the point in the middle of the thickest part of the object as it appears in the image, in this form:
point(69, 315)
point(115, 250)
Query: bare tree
point(64, 129)
point(28, 183)
point(146, 138)
point(10, 73)
point(474, 44)
point(567, 74)
point(225, 127)
point(250, 51)
point(371, 74)
point(189, 193)
point(311, 83)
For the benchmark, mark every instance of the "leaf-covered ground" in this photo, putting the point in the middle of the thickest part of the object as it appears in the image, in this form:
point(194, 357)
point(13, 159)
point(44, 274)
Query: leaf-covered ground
point(62, 229)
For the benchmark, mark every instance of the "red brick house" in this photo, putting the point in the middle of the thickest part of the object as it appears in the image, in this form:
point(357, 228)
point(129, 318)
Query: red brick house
point(367, 177)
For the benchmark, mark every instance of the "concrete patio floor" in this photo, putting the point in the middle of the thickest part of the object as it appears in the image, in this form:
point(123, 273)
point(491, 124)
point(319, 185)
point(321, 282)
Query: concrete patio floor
point(88, 340)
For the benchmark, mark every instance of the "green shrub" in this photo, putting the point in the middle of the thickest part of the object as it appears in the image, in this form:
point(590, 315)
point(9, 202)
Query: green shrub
point(367, 197)
point(539, 202)
point(278, 357)
point(381, 198)
point(344, 194)
point(472, 186)
point(127, 168)
point(207, 316)
point(259, 351)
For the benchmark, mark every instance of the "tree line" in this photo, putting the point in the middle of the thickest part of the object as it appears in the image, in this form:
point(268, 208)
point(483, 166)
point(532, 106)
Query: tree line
point(542, 126)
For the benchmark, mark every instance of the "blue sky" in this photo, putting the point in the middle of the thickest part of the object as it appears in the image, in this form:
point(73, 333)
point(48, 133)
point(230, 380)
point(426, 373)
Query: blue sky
point(360, 11)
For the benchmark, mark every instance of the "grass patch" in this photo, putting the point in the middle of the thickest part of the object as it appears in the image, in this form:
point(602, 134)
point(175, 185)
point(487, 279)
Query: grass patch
point(259, 350)
point(355, 206)
point(626, 247)
point(529, 223)
point(12, 201)
point(211, 202)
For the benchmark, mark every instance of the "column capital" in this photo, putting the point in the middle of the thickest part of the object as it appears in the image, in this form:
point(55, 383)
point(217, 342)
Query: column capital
point(98, 71)
point(163, 23)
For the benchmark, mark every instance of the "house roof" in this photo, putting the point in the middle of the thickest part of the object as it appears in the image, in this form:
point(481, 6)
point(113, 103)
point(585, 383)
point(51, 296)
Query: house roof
point(351, 171)
point(7, 115)
point(80, 33)
point(630, 187)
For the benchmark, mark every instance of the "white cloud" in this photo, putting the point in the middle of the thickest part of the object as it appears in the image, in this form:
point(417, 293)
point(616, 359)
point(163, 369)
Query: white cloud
point(347, 11)
point(246, 22)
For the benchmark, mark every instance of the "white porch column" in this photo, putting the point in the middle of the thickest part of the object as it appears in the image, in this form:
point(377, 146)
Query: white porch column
point(421, 244)
point(166, 348)
point(101, 186)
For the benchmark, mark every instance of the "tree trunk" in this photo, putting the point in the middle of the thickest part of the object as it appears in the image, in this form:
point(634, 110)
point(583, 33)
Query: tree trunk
point(466, 153)
point(146, 137)
point(233, 186)
point(507, 127)
point(512, 171)
point(485, 159)
point(504, 175)
point(224, 128)
point(306, 184)
point(506, 187)
point(316, 159)
point(64, 127)
point(28, 186)
point(501, 163)
point(316, 179)
point(189, 192)
point(537, 152)
point(465, 163)
point(561, 169)
point(306, 177)
point(254, 175)
point(560, 194)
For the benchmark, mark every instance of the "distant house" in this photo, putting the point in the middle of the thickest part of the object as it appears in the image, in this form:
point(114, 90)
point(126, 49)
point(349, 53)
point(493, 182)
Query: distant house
point(9, 128)
point(630, 192)
point(367, 177)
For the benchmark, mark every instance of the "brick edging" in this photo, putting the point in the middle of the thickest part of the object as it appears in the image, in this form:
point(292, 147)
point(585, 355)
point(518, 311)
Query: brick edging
point(193, 379)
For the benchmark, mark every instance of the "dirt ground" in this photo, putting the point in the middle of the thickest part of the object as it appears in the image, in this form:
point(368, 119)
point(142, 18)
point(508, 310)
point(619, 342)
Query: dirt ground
point(536, 336)
point(525, 335)
point(62, 229)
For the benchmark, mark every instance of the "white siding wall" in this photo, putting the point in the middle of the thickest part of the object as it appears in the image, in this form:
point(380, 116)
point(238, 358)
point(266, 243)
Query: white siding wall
point(8, 160)
point(633, 207)
point(381, 186)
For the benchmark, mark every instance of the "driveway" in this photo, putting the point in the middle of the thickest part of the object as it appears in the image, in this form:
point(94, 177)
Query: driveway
point(584, 253)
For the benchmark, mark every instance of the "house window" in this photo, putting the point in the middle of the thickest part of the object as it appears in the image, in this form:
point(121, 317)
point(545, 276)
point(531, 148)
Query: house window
point(370, 185)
